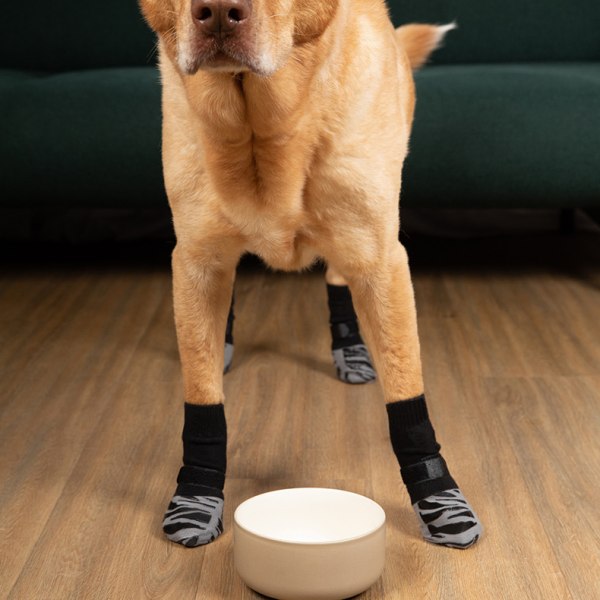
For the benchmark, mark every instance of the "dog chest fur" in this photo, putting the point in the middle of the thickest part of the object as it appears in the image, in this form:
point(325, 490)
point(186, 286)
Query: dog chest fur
point(270, 162)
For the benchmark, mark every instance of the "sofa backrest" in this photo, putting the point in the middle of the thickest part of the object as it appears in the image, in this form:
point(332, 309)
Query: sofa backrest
point(509, 30)
point(73, 34)
point(67, 35)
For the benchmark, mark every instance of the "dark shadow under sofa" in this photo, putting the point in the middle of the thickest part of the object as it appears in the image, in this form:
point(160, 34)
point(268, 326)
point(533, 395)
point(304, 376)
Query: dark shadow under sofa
point(508, 112)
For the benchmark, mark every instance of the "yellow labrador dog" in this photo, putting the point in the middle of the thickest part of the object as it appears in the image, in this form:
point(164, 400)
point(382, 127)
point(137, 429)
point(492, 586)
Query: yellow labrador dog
point(285, 126)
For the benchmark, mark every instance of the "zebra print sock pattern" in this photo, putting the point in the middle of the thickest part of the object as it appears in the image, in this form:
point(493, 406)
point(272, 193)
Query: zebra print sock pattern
point(447, 519)
point(353, 364)
point(194, 520)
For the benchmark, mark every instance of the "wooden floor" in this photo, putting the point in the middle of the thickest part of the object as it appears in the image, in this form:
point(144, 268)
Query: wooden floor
point(91, 413)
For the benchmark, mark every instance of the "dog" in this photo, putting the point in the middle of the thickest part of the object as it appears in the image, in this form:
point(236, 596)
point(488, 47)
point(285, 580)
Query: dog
point(285, 127)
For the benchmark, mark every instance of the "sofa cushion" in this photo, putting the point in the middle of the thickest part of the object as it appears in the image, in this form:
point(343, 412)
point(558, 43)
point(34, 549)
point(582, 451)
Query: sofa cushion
point(70, 34)
point(85, 138)
point(522, 135)
point(509, 30)
point(497, 136)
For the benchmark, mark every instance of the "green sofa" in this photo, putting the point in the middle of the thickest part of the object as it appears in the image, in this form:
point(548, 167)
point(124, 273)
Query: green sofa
point(508, 112)
point(79, 107)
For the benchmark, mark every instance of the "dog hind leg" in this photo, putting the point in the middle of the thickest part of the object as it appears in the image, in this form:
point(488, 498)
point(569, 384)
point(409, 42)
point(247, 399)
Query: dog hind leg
point(350, 355)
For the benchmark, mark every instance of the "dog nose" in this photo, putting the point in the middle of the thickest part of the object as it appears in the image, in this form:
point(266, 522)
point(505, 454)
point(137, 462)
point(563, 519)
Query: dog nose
point(220, 18)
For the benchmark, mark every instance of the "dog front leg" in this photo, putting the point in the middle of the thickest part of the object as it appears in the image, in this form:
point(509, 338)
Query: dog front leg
point(384, 299)
point(202, 288)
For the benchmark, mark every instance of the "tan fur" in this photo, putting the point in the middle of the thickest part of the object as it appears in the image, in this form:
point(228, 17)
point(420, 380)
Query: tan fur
point(300, 164)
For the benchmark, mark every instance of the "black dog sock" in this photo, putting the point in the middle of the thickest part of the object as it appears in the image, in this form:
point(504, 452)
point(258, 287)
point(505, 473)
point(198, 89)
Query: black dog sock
point(350, 354)
point(444, 514)
point(342, 318)
point(194, 516)
point(229, 338)
point(414, 443)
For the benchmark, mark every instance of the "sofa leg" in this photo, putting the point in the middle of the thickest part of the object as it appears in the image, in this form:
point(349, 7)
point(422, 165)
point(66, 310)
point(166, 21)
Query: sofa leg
point(567, 221)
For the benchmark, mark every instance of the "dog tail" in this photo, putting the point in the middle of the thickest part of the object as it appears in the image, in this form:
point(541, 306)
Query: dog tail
point(420, 40)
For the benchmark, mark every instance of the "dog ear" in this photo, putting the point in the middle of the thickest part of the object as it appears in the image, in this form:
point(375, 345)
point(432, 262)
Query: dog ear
point(311, 18)
point(159, 14)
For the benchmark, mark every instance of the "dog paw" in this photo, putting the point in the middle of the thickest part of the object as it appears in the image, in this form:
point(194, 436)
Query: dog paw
point(194, 520)
point(353, 364)
point(447, 519)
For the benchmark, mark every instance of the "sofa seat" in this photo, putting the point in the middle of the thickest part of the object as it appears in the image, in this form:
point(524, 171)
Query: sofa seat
point(506, 135)
point(87, 138)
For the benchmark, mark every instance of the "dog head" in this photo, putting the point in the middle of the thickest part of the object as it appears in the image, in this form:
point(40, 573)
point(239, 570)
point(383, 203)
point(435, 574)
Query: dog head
point(236, 35)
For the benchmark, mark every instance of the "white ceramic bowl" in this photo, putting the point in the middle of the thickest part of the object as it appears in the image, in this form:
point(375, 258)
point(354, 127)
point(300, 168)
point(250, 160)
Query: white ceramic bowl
point(309, 543)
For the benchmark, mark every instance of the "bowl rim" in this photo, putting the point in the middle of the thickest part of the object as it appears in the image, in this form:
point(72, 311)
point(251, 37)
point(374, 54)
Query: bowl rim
point(279, 540)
